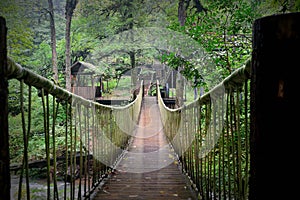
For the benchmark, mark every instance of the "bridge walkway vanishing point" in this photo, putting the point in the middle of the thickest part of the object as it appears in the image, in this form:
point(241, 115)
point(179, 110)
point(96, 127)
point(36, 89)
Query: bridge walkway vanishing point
point(149, 169)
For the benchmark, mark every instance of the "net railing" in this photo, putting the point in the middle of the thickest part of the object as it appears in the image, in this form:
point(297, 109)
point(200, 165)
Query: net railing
point(61, 145)
point(211, 137)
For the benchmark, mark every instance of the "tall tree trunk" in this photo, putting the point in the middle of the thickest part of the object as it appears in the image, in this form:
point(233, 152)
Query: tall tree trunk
point(53, 41)
point(182, 15)
point(132, 55)
point(179, 88)
point(182, 8)
point(70, 7)
point(133, 69)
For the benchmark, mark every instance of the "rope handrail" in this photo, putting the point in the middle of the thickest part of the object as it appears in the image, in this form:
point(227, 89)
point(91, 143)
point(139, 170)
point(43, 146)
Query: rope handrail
point(95, 135)
point(237, 77)
point(16, 71)
point(211, 137)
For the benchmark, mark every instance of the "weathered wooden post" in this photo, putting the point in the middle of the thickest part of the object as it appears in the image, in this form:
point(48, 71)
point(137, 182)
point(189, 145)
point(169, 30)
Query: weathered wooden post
point(4, 139)
point(275, 107)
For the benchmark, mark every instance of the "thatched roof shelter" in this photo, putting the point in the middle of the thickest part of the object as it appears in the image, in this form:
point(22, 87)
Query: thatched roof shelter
point(81, 67)
point(86, 80)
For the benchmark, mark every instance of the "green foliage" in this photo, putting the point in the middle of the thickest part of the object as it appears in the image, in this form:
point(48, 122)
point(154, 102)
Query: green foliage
point(189, 71)
point(225, 32)
point(36, 148)
point(269, 7)
point(82, 44)
point(36, 140)
point(19, 35)
point(119, 18)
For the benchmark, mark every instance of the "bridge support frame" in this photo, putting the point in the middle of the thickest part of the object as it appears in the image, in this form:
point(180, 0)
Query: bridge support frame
point(274, 107)
point(4, 137)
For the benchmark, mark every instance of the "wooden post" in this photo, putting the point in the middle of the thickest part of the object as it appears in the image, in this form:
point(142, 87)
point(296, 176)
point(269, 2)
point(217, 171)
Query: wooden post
point(274, 146)
point(4, 138)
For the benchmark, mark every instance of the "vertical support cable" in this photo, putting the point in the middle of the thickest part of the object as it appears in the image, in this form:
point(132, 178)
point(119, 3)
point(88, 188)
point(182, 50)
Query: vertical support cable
point(220, 146)
point(222, 132)
point(201, 188)
point(111, 136)
point(70, 168)
point(213, 152)
point(233, 143)
point(46, 133)
point(246, 141)
point(25, 138)
point(54, 115)
point(228, 144)
point(223, 145)
point(73, 167)
point(239, 145)
point(191, 144)
point(208, 157)
point(183, 129)
point(80, 152)
point(197, 130)
point(85, 148)
point(66, 149)
point(96, 154)
point(88, 152)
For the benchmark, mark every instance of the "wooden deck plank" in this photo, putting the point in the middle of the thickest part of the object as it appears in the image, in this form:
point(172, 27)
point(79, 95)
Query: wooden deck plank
point(149, 169)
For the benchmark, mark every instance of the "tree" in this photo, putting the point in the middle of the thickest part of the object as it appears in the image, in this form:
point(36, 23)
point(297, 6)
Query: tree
point(53, 41)
point(225, 32)
point(70, 7)
point(124, 16)
point(19, 33)
point(223, 29)
point(183, 6)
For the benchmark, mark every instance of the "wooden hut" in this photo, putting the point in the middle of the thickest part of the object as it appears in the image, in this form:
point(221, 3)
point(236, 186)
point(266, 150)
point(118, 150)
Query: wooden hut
point(85, 80)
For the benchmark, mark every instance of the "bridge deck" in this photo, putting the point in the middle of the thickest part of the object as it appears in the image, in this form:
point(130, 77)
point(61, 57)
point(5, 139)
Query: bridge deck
point(149, 169)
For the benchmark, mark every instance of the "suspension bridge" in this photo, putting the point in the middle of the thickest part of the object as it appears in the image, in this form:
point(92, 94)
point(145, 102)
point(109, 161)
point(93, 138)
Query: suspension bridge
point(211, 148)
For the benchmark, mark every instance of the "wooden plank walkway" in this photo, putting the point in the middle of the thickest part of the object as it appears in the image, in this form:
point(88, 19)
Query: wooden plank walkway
point(149, 169)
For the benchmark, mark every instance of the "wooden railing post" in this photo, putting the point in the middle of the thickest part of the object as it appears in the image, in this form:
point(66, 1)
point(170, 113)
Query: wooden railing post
point(274, 107)
point(4, 139)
